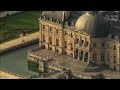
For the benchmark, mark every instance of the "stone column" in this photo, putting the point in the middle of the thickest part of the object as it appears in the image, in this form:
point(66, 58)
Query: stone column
point(73, 48)
point(48, 28)
point(40, 33)
point(54, 38)
point(78, 55)
point(74, 53)
point(61, 33)
point(88, 56)
point(83, 56)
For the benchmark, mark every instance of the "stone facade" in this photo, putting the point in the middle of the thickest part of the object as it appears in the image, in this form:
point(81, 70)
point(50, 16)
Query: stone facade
point(61, 34)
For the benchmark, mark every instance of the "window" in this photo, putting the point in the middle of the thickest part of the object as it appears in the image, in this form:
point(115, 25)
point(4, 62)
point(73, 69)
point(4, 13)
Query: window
point(86, 57)
point(50, 29)
point(114, 47)
point(86, 43)
point(65, 33)
point(71, 35)
point(108, 57)
point(103, 45)
point(50, 38)
point(57, 42)
point(43, 38)
point(114, 59)
point(57, 50)
point(114, 68)
point(71, 46)
point(65, 52)
point(57, 31)
point(82, 42)
point(43, 27)
point(94, 44)
point(81, 54)
point(102, 56)
point(50, 48)
point(65, 44)
point(119, 49)
point(94, 56)
point(77, 41)
point(107, 45)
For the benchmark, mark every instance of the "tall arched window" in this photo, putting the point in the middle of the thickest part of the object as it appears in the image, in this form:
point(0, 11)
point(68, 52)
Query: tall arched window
point(66, 44)
point(114, 59)
point(86, 43)
point(114, 47)
point(50, 28)
point(57, 42)
point(43, 38)
point(108, 56)
point(43, 27)
point(50, 38)
point(94, 56)
point(102, 57)
point(71, 46)
point(81, 55)
point(81, 42)
point(94, 44)
point(86, 57)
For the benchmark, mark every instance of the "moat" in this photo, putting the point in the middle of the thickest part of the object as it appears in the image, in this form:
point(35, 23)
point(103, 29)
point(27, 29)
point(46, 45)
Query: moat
point(16, 61)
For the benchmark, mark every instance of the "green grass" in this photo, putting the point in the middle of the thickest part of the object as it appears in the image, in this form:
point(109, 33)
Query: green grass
point(12, 26)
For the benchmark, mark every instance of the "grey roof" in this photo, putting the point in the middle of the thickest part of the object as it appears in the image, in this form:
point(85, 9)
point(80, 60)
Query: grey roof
point(74, 15)
point(94, 24)
point(70, 16)
point(56, 14)
point(116, 31)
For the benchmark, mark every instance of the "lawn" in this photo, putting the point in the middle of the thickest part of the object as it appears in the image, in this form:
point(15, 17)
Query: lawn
point(12, 26)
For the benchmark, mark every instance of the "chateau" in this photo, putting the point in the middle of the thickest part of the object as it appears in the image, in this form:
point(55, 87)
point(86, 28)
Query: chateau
point(83, 37)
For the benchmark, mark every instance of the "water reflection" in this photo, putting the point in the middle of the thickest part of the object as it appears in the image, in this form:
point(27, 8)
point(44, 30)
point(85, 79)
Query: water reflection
point(16, 61)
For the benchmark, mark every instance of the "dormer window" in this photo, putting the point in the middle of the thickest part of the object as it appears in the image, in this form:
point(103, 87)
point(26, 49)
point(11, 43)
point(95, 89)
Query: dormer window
point(43, 27)
point(72, 24)
point(44, 17)
point(50, 29)
point(114, 47)
point(66, 23)
point(57, 21)
point(103, 45)
point(50, 19)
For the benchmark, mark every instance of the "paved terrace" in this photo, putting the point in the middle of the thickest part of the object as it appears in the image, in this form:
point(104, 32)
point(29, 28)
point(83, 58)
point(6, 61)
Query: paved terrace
point(62, 60)
point(6, 75)
point(19, 41)
point(73, 64)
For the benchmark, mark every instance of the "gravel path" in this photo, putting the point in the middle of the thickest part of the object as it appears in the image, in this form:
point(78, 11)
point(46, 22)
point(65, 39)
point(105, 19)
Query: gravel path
point(4, 13)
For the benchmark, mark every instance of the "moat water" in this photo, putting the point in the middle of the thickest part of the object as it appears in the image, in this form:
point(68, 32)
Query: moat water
point(16, 61)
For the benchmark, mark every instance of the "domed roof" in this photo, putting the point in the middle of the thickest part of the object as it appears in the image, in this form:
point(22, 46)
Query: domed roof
point(93, 24)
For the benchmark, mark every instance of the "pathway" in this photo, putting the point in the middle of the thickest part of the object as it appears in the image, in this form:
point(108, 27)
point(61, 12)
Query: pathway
point(19, 41)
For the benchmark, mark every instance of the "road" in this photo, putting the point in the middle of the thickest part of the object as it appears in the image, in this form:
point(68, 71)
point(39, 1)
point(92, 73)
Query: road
point(19, 41)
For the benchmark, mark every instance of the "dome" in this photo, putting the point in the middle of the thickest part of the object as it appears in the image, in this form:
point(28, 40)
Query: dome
point(93, 24)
